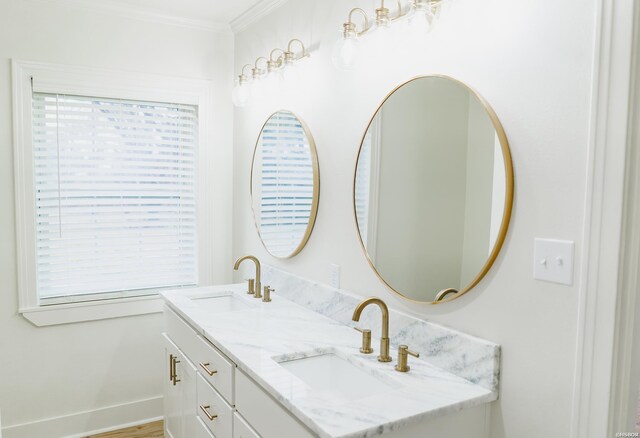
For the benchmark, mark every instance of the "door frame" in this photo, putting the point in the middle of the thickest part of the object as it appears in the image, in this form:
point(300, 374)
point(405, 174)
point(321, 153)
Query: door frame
point(602, 316)
point(624, 395)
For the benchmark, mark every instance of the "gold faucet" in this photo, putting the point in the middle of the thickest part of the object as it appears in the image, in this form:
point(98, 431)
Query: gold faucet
point(384, 339)
point(403, 356)
point(256, 290)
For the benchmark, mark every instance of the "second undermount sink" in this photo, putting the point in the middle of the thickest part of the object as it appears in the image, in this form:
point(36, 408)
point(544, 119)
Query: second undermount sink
point(222, 303)
point(334, 376)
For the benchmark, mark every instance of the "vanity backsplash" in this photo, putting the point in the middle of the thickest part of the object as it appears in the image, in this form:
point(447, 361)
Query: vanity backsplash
point(471, 358)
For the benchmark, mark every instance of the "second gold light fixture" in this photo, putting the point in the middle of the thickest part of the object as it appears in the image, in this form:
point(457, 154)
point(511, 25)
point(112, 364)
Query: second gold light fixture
point(419, 16)
point(278, 61)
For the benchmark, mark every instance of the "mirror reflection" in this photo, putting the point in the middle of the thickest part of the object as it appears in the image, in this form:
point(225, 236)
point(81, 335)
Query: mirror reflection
point(433, 189)
point(285, 184)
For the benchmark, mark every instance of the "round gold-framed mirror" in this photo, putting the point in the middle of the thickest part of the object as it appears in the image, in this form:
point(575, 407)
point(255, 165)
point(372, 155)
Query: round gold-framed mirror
point(285, 184)
point(433, 189)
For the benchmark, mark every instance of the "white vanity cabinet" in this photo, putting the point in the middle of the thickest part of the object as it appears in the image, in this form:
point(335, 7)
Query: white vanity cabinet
point(211, 398)
point(208, 396)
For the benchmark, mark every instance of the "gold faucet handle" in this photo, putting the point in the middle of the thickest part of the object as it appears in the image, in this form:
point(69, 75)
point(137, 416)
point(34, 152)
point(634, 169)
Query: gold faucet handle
point(251, 286)
point(403, 352)
point(366, 341)
point(267, 294)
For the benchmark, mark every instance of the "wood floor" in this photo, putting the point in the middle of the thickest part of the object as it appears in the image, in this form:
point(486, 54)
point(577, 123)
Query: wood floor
point(150, 430)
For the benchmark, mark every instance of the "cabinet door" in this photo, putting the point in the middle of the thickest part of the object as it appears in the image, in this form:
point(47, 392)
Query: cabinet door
point(172, 394)
point(186, 374)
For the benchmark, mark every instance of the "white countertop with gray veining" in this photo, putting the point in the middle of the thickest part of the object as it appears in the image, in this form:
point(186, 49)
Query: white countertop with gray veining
point(255, 337)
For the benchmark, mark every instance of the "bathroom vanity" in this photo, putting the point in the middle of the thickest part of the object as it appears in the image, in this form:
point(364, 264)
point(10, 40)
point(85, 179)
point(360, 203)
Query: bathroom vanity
point(238, 367)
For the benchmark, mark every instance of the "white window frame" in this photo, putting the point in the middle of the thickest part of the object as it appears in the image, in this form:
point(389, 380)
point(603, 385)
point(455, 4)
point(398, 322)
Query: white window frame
point(40, 77)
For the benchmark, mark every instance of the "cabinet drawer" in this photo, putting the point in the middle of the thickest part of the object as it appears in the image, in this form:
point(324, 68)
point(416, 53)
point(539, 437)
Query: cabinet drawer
point(210, 401)
point(201, 430)
point(215, 368)
point(241, 429)
point(181, 333)
point(266, 415)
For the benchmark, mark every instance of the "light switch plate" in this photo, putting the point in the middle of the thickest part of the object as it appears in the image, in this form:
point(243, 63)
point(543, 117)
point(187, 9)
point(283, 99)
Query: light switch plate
point(553, 261)
point(334, 276)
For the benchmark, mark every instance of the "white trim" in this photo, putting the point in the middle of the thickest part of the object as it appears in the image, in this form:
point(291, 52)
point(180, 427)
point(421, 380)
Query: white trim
point(86, 423)
point(603, 216)
point(122, 9)
point(92, 310)
point(103, 83)
point(254, 13)
point(624, 394)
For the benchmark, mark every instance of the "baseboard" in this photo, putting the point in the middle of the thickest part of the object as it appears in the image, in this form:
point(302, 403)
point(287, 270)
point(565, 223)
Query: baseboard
point(86, 423)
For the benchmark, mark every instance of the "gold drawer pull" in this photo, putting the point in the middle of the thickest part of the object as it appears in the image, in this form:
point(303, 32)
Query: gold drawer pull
point(173, 373)
point(207, 370)
point(205, 409)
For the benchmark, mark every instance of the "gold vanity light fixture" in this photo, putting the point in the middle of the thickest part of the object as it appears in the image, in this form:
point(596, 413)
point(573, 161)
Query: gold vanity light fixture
point(420, 15)
point(279, 60)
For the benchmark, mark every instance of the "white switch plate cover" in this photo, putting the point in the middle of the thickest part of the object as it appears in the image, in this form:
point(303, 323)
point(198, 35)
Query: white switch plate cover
point(334, 276)
point(553, 261)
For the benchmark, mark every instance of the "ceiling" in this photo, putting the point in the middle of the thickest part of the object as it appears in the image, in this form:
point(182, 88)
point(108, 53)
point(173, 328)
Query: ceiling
point(205, 13)
point(222, 11)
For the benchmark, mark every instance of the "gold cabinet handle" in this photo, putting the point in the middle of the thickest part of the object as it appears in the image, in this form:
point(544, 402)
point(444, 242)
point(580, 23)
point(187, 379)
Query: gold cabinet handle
point(205, 409)
point(207, 370)
point(174, 372)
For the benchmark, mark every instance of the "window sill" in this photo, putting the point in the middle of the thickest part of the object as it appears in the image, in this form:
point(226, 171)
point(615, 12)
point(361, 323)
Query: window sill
point(92, 311)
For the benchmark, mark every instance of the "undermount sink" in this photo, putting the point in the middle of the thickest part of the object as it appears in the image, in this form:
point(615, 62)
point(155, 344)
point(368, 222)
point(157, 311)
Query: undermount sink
point(222, 303)
point(335, 377)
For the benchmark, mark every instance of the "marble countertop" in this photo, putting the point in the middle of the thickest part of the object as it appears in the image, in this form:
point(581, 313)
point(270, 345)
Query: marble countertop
point(258, 337)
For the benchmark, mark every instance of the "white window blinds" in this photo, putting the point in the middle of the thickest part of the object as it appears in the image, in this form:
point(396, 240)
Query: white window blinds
point(115, 196)
point(287, 183)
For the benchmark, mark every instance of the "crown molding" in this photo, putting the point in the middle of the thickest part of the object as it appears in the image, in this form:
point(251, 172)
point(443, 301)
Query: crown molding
point(254, 13)
point(143, 14)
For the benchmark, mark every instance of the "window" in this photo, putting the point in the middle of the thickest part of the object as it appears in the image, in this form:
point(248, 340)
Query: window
point(114, 196)
point(114, 177)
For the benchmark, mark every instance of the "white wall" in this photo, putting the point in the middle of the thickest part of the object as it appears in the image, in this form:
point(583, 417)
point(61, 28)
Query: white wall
point(534, 65)
point(64, 370)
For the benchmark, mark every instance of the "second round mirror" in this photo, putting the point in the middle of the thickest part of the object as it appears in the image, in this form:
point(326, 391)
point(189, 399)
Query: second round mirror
point(433, 189)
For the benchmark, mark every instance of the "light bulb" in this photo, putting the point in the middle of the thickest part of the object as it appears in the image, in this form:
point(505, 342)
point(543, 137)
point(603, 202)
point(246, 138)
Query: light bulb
point(241, 94)
point(345, 52)
point(419, 24)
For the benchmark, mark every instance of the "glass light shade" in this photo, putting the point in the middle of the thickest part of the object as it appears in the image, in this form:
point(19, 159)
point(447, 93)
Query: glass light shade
point(345, 52)
point(419, 23)
point(241, 95)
